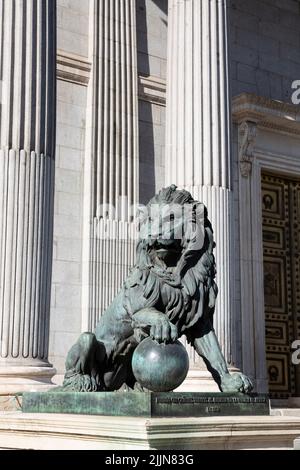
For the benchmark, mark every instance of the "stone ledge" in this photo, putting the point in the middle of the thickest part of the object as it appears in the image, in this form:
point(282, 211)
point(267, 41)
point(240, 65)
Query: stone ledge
point(73, 68)
point(18, 379)
point(57, 432)
point(153, 90)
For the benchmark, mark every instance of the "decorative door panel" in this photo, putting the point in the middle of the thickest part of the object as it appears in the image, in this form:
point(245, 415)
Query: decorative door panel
point(281, 240)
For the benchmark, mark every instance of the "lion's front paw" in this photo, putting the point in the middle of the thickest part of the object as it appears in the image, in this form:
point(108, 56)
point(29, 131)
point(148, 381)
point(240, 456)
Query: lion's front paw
point(163, 331)
point(236, 383)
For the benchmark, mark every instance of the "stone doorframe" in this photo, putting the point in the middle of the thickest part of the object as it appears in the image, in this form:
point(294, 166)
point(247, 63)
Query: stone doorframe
point(257, 118)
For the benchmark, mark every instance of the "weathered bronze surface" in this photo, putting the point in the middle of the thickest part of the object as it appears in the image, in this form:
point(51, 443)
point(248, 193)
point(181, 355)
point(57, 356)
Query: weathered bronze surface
point(170, 292)
point(136, 404)
point(160, 367)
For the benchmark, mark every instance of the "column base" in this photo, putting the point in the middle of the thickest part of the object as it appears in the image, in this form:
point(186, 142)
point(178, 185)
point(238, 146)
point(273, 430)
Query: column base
point(18, 379)
point(200, 380)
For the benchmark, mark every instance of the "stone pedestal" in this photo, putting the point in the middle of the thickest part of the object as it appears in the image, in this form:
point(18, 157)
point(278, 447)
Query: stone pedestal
point(198, 141)
point(147, 405)
point(69, 432)
point(27, 151)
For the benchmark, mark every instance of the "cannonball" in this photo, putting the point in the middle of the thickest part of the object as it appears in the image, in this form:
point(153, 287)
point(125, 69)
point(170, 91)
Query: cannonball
point(160, 367)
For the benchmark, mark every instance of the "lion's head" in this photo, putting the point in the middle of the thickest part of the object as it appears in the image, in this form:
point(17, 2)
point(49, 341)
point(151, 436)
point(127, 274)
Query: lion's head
point(172, 229)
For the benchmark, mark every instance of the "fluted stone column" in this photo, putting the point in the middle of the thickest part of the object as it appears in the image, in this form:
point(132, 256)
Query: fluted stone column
point(198, 129)
point(27, 149)
point(111, 162)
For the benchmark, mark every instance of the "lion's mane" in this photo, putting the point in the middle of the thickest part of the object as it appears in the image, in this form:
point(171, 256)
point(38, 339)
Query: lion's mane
point(189, 292)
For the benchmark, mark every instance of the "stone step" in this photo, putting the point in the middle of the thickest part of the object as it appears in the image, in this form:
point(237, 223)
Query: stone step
point(58, 432)
point(285, 412)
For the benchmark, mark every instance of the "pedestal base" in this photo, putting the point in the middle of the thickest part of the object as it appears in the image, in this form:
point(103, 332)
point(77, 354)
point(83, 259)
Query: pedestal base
point(19, 379)
point(69, 432)
point(148, 405)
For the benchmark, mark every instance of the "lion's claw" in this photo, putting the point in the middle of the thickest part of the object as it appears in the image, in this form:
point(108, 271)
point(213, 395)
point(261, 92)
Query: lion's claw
point(236, 383)
point(163, 331)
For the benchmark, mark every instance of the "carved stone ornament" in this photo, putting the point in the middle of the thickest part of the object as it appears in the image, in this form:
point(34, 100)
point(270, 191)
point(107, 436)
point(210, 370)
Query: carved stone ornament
point(247, 138)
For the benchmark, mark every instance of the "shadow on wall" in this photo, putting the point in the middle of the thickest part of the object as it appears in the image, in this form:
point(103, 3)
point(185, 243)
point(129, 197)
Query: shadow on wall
point(147, 182)
point(146, 134)
point(163, 5)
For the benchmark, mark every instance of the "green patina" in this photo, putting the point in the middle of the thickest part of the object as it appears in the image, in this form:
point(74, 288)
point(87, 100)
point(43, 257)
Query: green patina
point(170, 292)
point(147, 404)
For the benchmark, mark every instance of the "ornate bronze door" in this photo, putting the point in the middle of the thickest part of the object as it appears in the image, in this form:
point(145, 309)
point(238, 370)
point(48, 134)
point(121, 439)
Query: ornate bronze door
point(281, 240)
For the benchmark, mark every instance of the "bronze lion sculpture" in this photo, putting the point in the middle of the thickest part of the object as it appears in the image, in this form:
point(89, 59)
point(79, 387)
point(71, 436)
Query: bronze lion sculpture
point(170, 292)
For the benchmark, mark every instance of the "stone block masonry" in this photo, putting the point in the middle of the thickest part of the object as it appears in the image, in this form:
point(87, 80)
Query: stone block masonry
point(265, 36)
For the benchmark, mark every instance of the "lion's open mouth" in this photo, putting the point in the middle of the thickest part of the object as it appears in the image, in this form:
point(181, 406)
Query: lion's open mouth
point(167, 245)
point(166, 251)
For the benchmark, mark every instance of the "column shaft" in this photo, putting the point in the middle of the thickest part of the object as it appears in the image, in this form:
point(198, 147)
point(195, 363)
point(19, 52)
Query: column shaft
point(27, 150)
point(198, 127)
point(112, 156)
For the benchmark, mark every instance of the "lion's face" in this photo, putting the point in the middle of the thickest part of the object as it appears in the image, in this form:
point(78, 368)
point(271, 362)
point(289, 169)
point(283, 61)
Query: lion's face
point(164, 232)
point(168, 229)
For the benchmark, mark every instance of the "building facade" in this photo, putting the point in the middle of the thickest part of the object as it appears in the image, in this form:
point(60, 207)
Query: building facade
point(103, 103)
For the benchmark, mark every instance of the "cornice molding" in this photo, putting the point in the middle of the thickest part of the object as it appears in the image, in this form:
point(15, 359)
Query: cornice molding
point(152, 89)
point(266, 113)
point(77, 69)
point(73, 68)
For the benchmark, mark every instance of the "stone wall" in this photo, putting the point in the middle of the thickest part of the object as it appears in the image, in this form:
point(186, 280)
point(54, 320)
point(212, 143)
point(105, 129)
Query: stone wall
point(65, 326)
point(265, 42)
